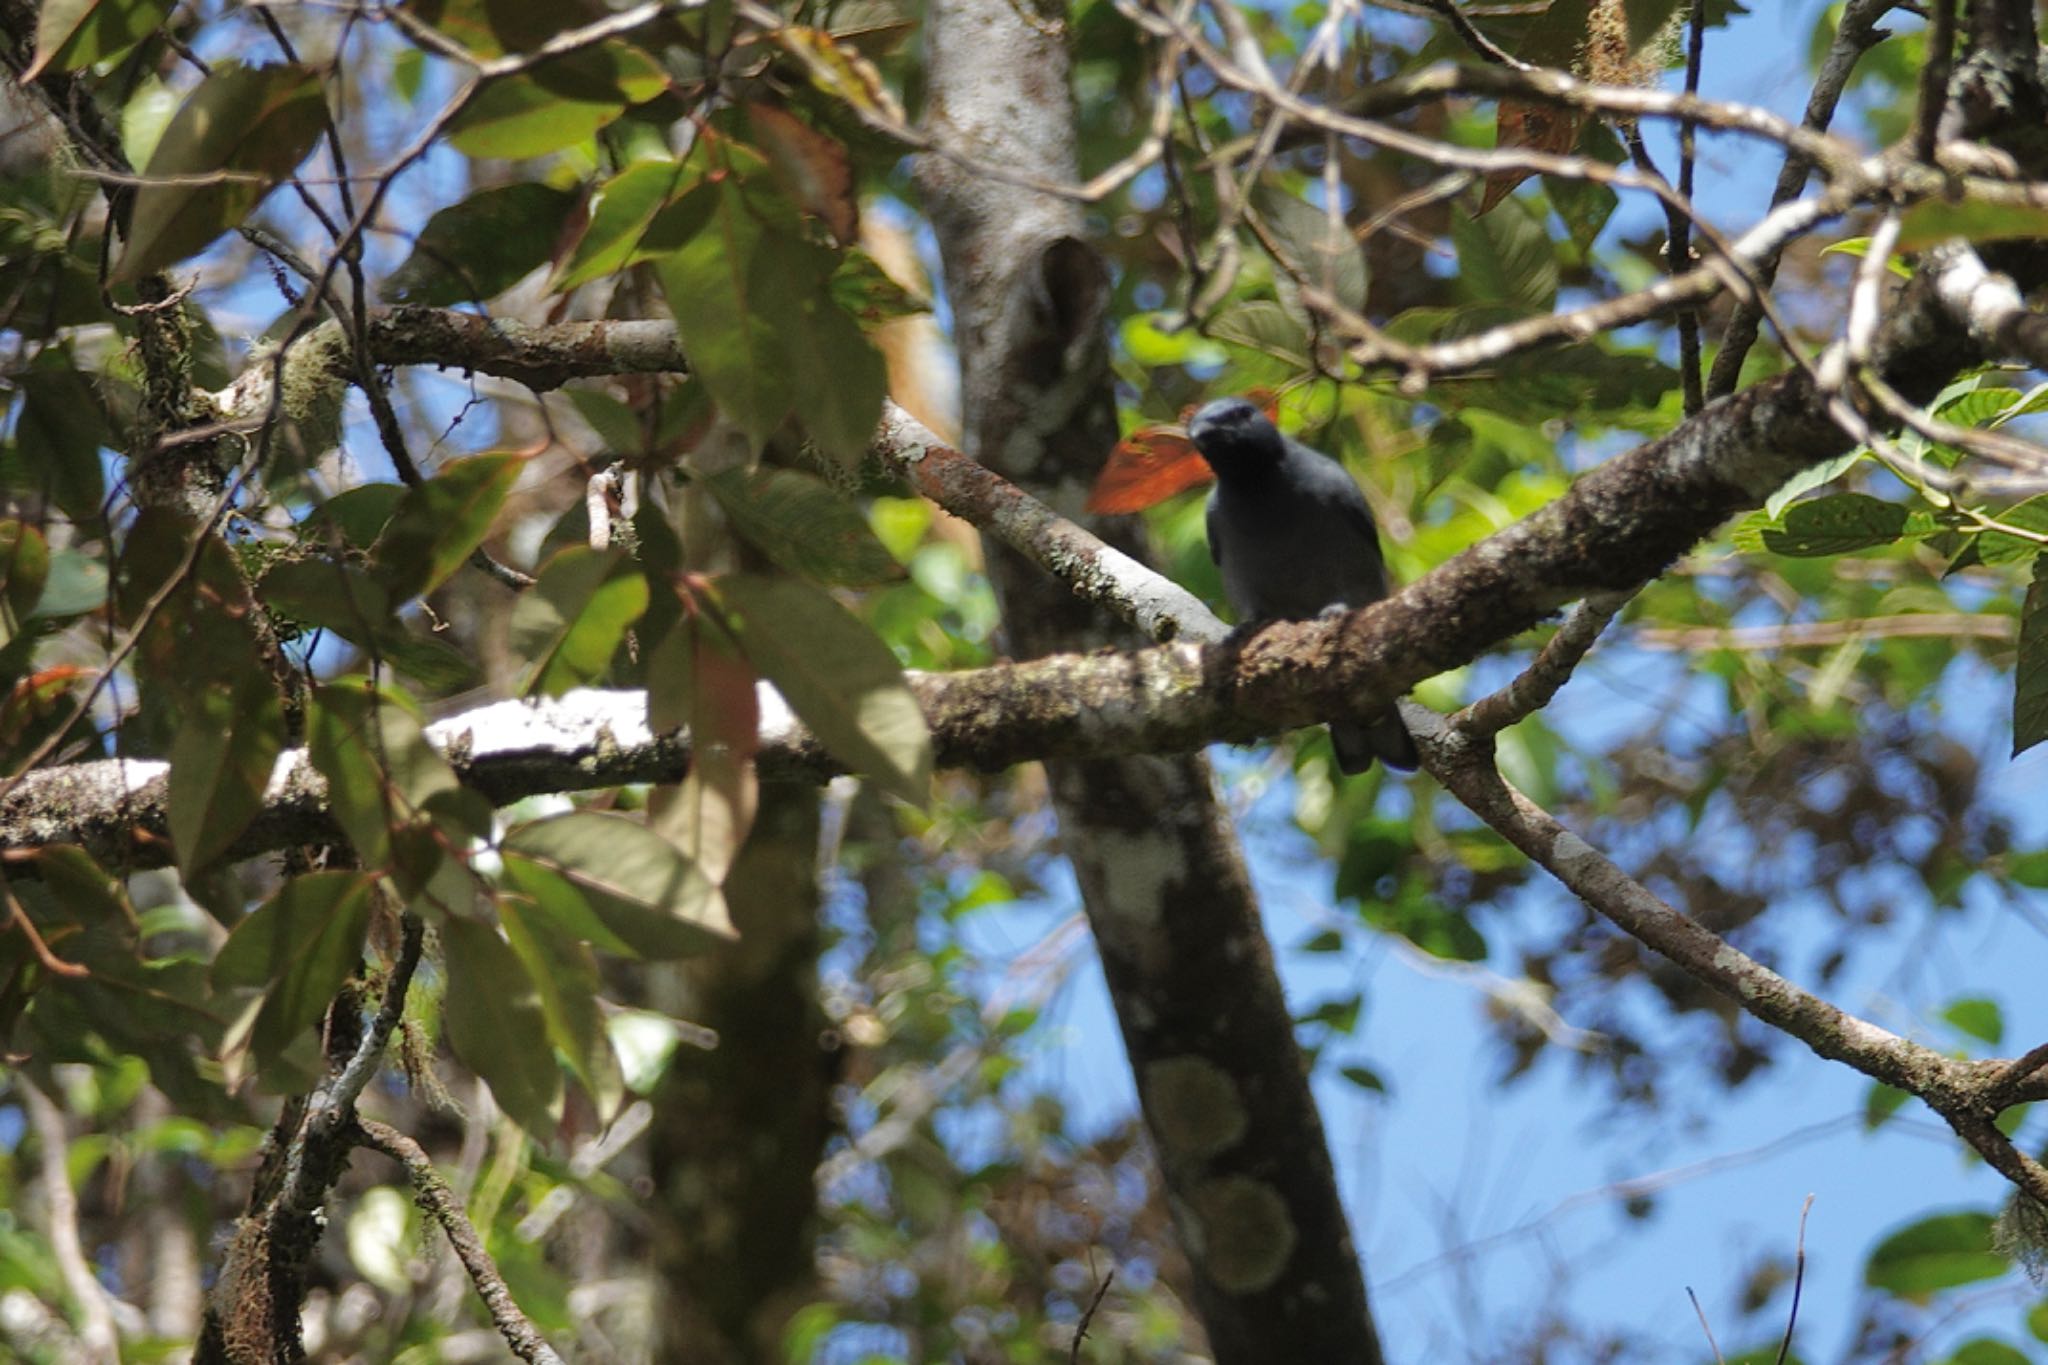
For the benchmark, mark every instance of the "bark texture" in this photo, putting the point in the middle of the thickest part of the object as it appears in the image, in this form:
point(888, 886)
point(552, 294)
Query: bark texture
point(1210, 1038)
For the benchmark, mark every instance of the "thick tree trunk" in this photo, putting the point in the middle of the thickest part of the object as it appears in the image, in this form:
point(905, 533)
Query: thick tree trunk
point(740, 1127)
point(1209, 1035)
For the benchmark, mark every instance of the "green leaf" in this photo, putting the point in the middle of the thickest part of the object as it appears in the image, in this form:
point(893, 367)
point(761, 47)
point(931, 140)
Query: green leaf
point(1934, 1254)
point(1987, 1351)
point(1994, 547)
point(329, 595)
point(498, 1026)
point(24, 570)
point(835, 674)
point(2030, 673)
point(869, 293)
point(1264, 326)
point(439, 524)
point(566, 977)
point(234, 138)
point(568, 625)
point(380, 770)
point(1837, 525)
point(1808, 479)
point(805, 525)
point(557, 104)
point(342, 598)
point(71, 34)
point(2030, 868)
point(221, 762)
point(1933, 221)
point(355, 518)
point(1978, 1017)
point(481, 247)
point(1506, 257)
point(644, 893)
point(1365, 1078)
point(300, 947)
point(732, 338)
point(59, 435)
point(1322, 941)
point(1322, 249)
point(77, 585)
point(621, 230)
point(1880, 1102)
point(835, 376)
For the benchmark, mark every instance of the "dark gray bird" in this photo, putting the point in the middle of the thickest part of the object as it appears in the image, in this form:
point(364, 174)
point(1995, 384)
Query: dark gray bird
point(1294, 539)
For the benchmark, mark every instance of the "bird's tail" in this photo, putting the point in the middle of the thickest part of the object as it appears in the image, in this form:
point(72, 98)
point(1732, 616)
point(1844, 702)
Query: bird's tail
point(1359, 742)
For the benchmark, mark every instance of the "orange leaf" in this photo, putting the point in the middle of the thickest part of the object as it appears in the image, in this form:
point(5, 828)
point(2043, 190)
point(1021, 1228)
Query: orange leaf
point(1538, 127)
point(813, 167)
point(1147, 467)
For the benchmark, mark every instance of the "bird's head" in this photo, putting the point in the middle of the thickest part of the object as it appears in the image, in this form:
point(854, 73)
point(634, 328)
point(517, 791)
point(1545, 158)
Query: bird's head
point(1235, 437)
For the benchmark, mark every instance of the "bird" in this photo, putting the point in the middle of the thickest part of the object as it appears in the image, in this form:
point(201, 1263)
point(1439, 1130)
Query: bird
point(1292, 535)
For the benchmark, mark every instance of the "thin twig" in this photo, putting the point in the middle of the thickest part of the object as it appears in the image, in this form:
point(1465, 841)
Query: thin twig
point(1532, 690)
point(1469, 33)
point(1798, 1282)
point(1088, 1315)
point(1677, 258)
point(1679, 246)
point(434, 1196)
point(1712, 1345)
point(18, 916)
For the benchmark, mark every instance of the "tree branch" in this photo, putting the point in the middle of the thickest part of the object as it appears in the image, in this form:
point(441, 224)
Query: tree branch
point(432, 1194)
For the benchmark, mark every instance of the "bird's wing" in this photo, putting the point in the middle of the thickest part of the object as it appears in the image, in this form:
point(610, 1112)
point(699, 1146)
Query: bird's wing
point(1331, 486)
point(1209, 529)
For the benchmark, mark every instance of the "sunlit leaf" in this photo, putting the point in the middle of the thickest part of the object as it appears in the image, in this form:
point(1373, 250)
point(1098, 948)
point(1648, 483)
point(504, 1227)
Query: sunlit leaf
point(622, 214)
point(566, 977)
point(71, 34)
point(497, 1025)
point(557, 104)
point(221, 762)
point(1880, 1102)
point(1980, 1018)
point(234, 138)
point(1934, 221)
point(300, 947)
point(567, 626)
point(1839, 524)
point(440, 523)
point(840, 71)
point(728, 332)
point(632, 880)
point(805, 525)
point(836, 675)
point(380, 770)
point(1934, 1254)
